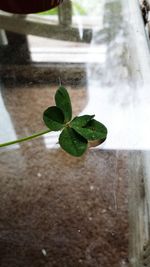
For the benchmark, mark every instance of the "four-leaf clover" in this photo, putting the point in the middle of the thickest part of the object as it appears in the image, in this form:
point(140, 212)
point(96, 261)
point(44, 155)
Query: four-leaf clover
point(75, 133)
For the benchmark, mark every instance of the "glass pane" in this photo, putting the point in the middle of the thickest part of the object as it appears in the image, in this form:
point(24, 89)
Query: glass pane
point(57, 210)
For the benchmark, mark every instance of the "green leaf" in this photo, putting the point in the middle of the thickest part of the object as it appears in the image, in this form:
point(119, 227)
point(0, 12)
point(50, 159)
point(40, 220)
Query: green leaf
point(63, 102)
point(72, 142)
point(53, 118)
point(93, 130)
point(81, 121)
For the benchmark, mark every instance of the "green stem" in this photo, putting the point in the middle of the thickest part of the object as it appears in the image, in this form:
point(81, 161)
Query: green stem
point(24, 139)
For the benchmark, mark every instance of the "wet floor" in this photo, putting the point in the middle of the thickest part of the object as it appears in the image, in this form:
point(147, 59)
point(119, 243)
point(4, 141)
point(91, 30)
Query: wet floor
point(57, 210)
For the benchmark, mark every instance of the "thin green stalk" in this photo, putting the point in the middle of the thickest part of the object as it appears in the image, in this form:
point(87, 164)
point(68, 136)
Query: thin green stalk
point(24, 139)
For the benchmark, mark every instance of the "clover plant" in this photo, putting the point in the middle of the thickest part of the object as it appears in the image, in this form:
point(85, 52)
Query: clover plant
point(75, 133)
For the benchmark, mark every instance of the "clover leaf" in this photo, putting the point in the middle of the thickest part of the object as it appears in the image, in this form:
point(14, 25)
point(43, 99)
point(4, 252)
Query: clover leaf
point(93, 130)
point(81, 121)
point(63, 102)
point(53, 118)
point(76, 133)
point(72, 142)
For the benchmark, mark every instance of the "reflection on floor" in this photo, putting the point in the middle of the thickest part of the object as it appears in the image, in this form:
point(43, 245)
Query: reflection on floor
point(6, 124)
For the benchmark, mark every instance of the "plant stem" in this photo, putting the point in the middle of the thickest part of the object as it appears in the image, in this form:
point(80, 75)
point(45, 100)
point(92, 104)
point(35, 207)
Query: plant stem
point(24, 139)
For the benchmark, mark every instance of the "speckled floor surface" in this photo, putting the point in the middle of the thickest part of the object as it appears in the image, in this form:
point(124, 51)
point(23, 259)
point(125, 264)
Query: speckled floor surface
point(65, 207)
point(57, 210)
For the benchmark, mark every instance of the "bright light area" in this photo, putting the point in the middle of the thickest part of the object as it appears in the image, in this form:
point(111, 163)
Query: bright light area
point(8, 133)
